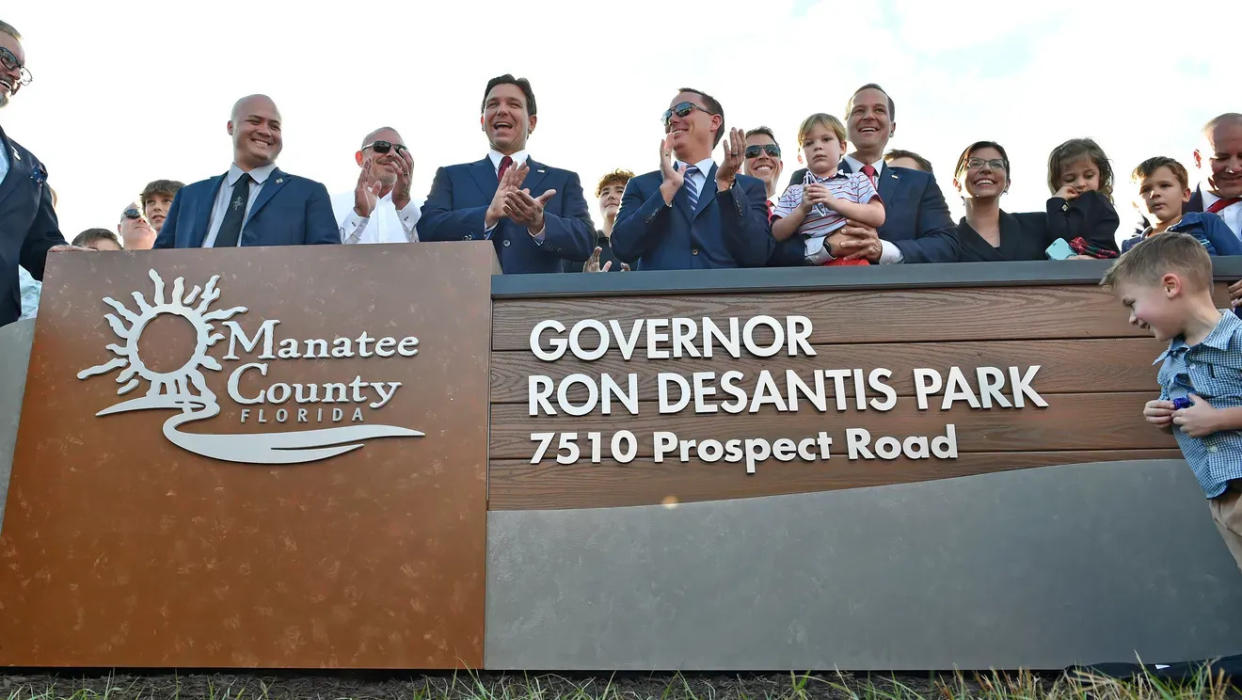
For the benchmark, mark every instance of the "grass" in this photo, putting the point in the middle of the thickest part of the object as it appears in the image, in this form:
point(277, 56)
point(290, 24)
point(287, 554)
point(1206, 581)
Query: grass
point(1019, 685)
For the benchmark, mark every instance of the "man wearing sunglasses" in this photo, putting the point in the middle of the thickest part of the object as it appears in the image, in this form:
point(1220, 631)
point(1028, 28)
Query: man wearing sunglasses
point(134, 230)
point(379, 209)
point(763, 158)
point(254, 202)
point(535, 215)
point(28, 225)
point(674, 218)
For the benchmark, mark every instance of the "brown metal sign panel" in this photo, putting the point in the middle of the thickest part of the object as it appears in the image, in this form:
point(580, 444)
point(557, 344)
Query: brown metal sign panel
point(260, 457)
point(666, 399)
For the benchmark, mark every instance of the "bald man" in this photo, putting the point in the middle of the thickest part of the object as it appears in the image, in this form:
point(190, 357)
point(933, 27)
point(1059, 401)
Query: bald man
point(254, 203)
point(379, 209)
point(1219, 162)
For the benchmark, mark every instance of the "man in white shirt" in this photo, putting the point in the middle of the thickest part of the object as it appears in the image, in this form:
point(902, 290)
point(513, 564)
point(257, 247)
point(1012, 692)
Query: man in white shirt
point(379, 209)
point(1219, 161)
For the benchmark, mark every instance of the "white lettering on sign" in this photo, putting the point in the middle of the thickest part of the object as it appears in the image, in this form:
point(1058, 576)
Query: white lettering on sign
point(185, 388)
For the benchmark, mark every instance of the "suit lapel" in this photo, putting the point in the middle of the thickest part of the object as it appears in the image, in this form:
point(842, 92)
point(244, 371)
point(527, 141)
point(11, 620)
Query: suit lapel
point(708, 193)
point(888, 181)
point(1196, 201)
point(534, 178)
point(275, 182)
point(484, 175)
point(844, 166)
point(205, 205)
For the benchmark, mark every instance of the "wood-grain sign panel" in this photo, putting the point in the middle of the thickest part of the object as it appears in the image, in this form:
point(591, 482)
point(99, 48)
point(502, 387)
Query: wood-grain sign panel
point(666, 399)
point(261, 457)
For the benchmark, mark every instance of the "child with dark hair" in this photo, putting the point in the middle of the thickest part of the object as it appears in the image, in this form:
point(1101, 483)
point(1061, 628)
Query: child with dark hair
point(1164, 187)
point(1081, 181)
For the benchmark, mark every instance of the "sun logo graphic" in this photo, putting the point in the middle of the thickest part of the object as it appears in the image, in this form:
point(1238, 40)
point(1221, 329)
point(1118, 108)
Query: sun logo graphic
point(185, 389)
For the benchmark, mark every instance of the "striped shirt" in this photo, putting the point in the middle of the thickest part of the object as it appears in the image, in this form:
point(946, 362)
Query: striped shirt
point(1212, 370)
point(821, 221)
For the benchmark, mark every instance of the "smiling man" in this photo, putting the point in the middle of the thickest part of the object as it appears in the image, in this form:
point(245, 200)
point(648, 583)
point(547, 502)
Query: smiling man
point(675, 218)
point(379, 209)
point(134, 230)
point(1219, 161)
point(917, 226)
point(763, 158)
point(535, 215)
point(28, 226)
point(254, 203)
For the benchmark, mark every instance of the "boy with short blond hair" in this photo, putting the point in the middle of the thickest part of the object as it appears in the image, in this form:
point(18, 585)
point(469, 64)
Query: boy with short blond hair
point(1164, 187)
point(1166, 284)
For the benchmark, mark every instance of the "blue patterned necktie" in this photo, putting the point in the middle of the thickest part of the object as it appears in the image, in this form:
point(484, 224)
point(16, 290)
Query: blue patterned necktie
point(230, 228)
point(691, 193)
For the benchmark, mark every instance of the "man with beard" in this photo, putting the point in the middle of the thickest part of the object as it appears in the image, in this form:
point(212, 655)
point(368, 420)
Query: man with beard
point(379, 209)
point(28, 225)
point(254, 203)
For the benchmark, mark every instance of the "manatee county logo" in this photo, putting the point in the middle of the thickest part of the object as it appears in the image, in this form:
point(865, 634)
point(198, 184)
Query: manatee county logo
point(185, 387)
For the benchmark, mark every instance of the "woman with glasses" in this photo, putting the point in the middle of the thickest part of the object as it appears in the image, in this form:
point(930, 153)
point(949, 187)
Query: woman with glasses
point(988, 233)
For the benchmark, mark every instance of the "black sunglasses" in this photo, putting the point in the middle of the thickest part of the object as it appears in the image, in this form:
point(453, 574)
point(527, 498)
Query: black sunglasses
point(771, 149)
point(132, 213)
point(382, 147)
point(9, 61)
point(682, 110)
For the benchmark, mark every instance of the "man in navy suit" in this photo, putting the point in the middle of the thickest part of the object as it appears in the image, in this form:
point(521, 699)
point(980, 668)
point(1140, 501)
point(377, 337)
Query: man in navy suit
point(28, 226)
point(675, 218)
point(917, 226)
point(492, 199)
point(254, 203)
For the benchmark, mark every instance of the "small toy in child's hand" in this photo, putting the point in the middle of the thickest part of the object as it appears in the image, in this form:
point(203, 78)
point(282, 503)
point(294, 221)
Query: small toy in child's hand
point(1182, 402)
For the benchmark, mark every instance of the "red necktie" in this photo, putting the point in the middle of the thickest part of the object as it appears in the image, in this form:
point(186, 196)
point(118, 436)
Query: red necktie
point(504, 165)
point(1222, 203)
point(869, 171)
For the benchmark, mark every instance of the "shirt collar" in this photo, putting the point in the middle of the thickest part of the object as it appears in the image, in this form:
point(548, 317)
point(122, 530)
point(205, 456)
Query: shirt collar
point(496, 156)
point(812, 177)
point(705, 166)
point(259, 175)
point(856, 165)
point(1228, 326)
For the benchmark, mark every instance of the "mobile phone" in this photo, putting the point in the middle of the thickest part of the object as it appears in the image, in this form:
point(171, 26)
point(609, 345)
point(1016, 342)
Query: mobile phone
point(1059, 250)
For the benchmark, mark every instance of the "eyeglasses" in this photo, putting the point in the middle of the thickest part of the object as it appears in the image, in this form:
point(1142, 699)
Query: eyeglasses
point(769, 148)
point(132, 213)
point(682, 110)
point(10, 62)
point(977, 163)
point(382, 147)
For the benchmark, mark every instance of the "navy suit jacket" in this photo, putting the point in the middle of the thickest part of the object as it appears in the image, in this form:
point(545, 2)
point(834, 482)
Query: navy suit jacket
point(660, 237)
point(916, 218)
point(460, 195)
point(28, 225)
point(289, 210)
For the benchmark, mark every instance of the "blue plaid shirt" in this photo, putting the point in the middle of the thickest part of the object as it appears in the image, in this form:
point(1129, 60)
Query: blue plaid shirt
point(1213, 370)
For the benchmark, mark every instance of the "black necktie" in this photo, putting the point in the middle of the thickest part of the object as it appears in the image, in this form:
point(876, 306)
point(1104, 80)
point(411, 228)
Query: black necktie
point(230, 228)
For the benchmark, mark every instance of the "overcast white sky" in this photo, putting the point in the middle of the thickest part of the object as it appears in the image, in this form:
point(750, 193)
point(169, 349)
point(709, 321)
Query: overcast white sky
point(126, 92)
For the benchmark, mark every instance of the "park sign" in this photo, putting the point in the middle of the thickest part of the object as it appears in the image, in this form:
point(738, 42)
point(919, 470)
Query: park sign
point(241, 458)
point(364, 457)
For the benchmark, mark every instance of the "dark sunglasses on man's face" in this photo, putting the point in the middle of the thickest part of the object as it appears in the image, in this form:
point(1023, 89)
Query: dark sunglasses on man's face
point(132, 213)
point(770, 148)
point(382, 147)
point(682, 110)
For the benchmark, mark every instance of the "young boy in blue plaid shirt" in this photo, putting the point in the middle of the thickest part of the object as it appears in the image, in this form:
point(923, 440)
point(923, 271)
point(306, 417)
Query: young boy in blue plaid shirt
point(1166, 284)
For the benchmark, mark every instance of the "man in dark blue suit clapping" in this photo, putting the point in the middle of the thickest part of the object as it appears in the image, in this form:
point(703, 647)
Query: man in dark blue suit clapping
point(495, 198)
point(675, 218)
point(254, 203)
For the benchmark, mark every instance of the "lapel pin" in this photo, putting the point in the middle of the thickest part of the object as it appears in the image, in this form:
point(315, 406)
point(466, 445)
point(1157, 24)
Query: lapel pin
point(280, 180)
point(17, 155)
point(541, 170)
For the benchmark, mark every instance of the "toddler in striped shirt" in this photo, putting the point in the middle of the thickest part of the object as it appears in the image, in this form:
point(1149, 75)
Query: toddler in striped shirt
point(819, 207)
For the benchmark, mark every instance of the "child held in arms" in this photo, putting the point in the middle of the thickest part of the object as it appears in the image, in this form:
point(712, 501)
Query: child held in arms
point(1164, 187)
point(1165, 283)
point(819, 207)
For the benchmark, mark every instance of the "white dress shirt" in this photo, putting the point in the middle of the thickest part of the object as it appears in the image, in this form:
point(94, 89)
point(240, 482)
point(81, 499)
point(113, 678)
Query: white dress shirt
point(518, 158)
point(4, 164)
point(698, 179)
point(384, 225)
point(889, 253)
point(1231, 215)
point(225, 193)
